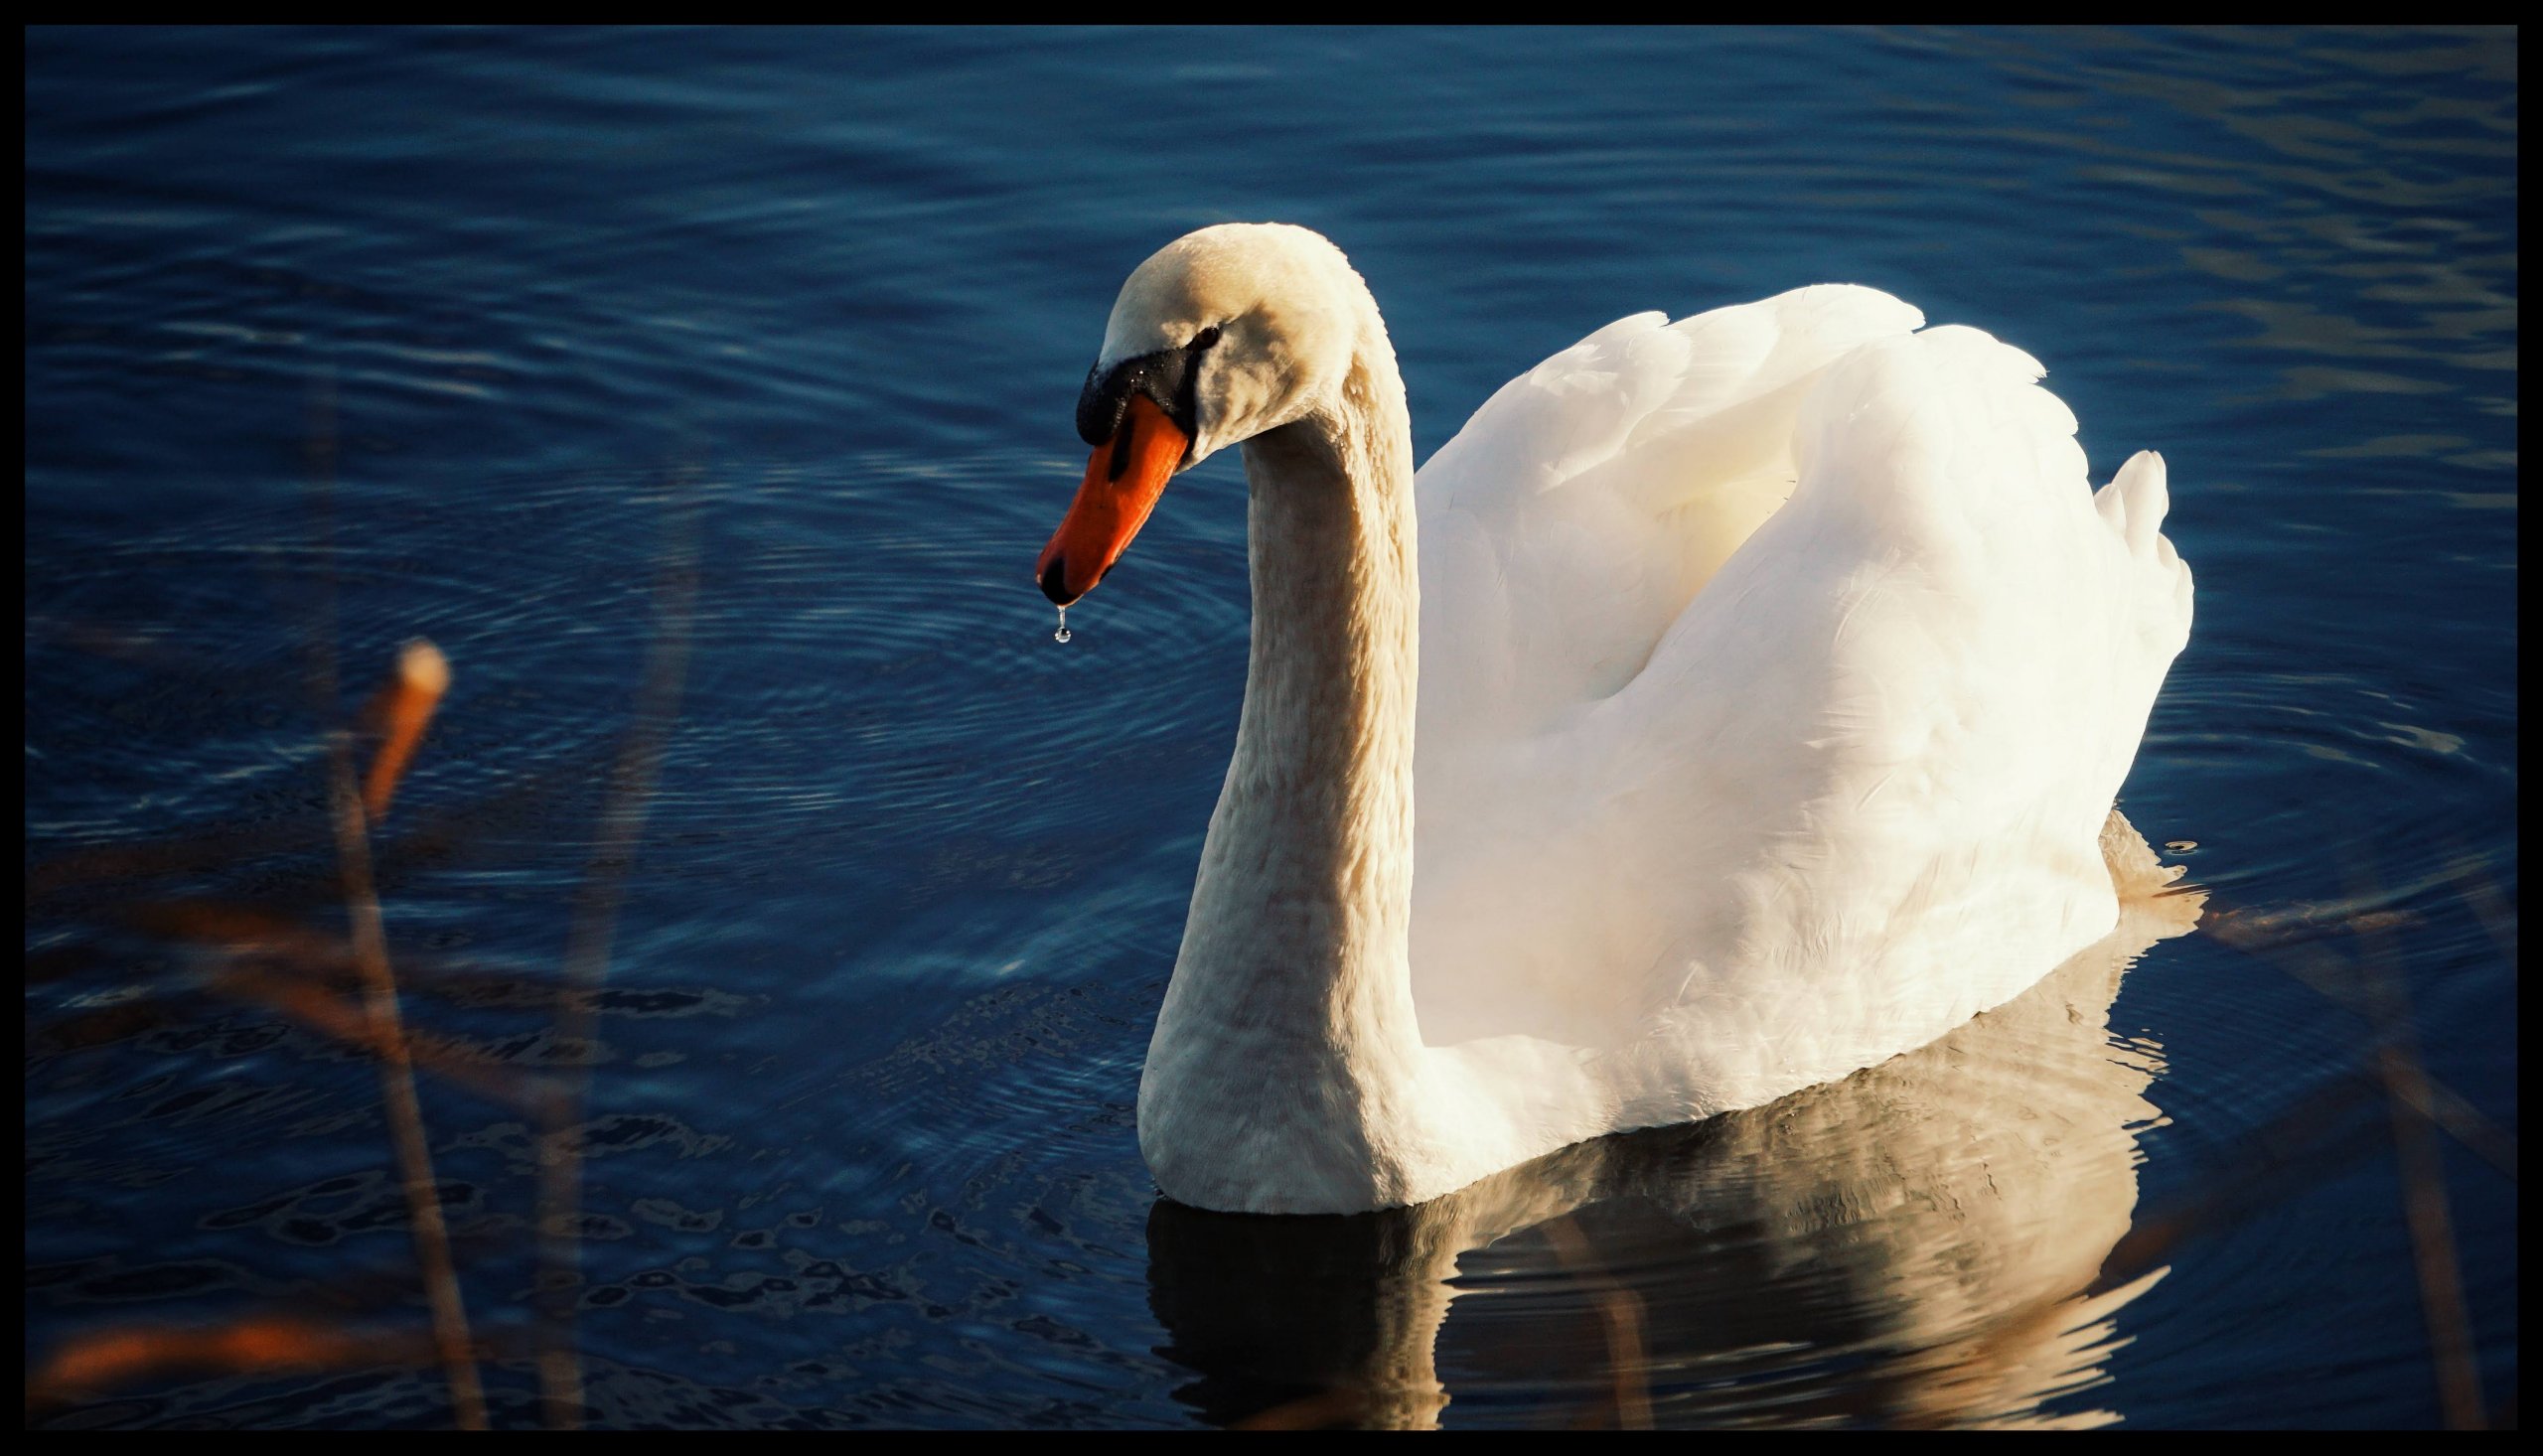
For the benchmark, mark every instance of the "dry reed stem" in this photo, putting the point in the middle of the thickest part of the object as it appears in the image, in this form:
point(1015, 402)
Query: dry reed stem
point(397, 1090)
point(1620, 1311)
point(2351, 987)
point(2433, 1251)
point(586, 967)
point(403, 710)
point(2417, 1106)
point(275, 962)
point(2422, 1166)
point(2303, 1139)
point(96, 1361)
point(1323, 1410)
point(370, 943)
point(334, 1017)
point(2482, 893)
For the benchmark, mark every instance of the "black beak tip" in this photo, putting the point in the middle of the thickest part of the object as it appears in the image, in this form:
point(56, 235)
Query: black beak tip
point(1055, 582)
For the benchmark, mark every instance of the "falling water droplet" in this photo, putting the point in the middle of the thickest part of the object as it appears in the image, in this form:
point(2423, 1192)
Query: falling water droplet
point(1063, 633)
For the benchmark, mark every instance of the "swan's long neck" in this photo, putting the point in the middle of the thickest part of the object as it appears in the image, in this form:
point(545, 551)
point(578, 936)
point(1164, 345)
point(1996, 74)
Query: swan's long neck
point(1287, 1041)
point(1311, 848)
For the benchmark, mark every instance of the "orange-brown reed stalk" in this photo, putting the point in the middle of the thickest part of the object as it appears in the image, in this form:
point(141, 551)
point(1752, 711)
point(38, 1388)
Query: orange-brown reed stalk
point(622, 826)
point(2339, 979)
point(1620, 1312)
point(402, 710)
point(370, 943)
point(102, 1359)
point(2423, 1202)
point(283, 965)
point(398, 1071)
point(1323, 1410)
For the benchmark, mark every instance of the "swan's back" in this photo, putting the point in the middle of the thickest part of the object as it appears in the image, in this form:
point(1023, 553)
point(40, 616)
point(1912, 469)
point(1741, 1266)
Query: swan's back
point(1573, 518)
point(1745, 793)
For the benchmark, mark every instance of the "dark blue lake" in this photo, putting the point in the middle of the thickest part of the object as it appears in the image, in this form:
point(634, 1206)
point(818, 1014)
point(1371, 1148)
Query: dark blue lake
point(568, 350)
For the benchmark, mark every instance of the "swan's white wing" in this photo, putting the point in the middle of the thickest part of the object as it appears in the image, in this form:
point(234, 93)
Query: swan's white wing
point(1567, 524)
point(1843, 799)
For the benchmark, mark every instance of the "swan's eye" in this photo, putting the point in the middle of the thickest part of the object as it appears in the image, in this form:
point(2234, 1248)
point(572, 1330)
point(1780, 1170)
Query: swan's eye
point(1205, 338)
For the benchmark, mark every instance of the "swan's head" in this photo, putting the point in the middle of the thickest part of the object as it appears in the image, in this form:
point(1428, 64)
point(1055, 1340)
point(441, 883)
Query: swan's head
point(1221, 334)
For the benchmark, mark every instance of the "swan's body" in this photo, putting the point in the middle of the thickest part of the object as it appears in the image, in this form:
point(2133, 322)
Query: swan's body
point(1720, 794)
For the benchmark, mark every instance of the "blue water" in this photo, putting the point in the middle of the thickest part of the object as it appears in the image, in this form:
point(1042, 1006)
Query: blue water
point(347, 336)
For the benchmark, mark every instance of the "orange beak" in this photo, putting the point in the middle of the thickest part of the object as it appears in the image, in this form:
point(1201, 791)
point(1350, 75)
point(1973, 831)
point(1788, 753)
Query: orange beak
point(1123, 478)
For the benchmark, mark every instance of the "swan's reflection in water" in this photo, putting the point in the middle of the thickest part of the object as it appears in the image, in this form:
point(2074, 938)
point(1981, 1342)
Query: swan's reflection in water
point(1918, 1244)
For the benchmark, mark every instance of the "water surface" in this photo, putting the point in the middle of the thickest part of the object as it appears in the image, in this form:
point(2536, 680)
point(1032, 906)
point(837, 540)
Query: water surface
point(550, 313)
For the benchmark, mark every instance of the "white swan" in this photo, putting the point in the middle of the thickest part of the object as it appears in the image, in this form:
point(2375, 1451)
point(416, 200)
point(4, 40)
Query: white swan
point(1721, 795)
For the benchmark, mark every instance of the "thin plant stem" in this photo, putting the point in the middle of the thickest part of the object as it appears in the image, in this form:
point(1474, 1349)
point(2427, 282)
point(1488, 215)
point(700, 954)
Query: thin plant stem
point(2496, 913)
point(2335, 977)
point(586, 968)
point(397, 1090)
point(2433, 1255)
point(370, 943)
point(1620, 1312)
point(2422, 1165)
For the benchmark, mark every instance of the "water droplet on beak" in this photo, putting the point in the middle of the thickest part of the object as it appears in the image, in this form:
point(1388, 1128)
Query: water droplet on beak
point(1063, 633)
